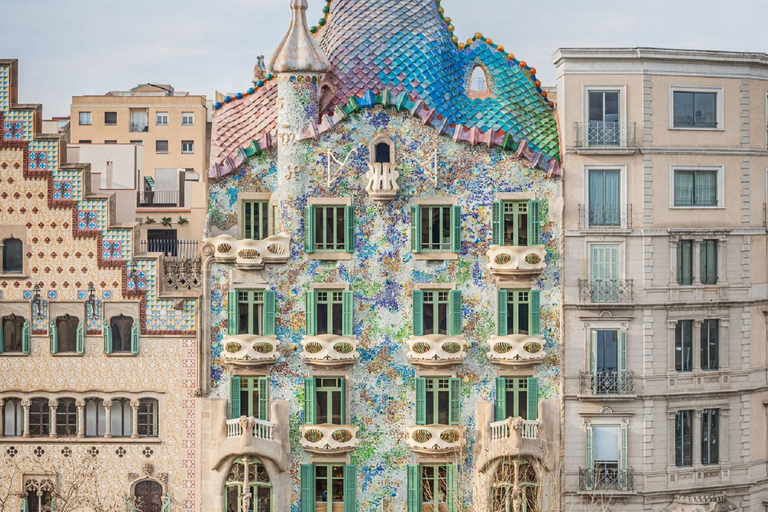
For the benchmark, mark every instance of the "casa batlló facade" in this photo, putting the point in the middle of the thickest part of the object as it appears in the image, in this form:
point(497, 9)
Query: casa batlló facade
point(381, 263)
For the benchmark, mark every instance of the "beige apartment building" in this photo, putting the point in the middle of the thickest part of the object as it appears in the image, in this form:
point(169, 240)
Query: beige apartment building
point(665, 296)
point(172, 126)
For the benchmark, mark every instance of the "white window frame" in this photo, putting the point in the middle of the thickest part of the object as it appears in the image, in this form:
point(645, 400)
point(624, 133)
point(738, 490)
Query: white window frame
point(622, 168)
point(719, 107)
point(184, 117)
point(167, 148)
point(189, 143)
point(586, 89)
point(720, 185)
point(605, 241)
point(157, 118)
point(80, 119)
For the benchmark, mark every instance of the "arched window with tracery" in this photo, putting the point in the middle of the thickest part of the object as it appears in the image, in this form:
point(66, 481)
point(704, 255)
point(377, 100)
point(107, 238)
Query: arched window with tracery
point(148, 496)
point(39, 495)
point(12, 333)
point(248, 474)
point(122, 327)
point(509, 475)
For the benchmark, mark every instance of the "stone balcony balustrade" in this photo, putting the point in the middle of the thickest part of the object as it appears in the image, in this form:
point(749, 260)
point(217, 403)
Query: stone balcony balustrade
point(250, 254)
point(329, 350)
point(260, 429)
point(513, 261)
point(435, 439)
point(327, 438)
point(516, 349)
point(436, 350)
point(250, 349)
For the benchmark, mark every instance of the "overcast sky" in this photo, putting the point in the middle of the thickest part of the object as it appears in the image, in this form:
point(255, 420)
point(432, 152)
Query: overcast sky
point(75, 47)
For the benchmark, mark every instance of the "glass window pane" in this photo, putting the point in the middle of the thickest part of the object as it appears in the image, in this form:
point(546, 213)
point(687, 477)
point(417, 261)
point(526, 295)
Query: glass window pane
point(606, 443)
point(683, 109)
point(704, 110)
point(595, 106)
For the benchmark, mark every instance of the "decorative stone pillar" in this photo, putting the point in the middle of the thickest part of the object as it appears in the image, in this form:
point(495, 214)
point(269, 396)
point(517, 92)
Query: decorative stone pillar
point(696, 271)
point(135, 422)
point(697, 344)
point(53, 405)
point(246, 484)
point(80, 404)
point(26, 403)
point(696, 437)
point(517, 491)
point(107, 419)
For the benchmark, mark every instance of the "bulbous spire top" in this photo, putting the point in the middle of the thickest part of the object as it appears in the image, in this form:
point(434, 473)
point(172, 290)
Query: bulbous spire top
point(298, 52)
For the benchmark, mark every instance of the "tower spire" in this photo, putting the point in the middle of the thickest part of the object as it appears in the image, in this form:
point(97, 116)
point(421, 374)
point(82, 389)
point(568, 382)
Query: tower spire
point(298, 52)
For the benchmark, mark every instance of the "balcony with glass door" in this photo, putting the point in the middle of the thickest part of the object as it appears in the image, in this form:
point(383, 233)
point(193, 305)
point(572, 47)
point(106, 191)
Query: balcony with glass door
point(604, 128)
point(139, 121)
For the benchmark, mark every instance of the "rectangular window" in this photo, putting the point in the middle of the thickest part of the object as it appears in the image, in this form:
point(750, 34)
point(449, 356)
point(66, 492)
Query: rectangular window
point(95, 417)
point(434, 488)
point(254, 397)
point(516, 398)
point(85, 118)
point(121, 417)
point(604, 273)
point(437, 401)
point(436, 228)
point(139, 121)
point(606, 363)
point(708, 261)
point(329, 401)
point(606, 456)
point(685, 262)
point(255, 220)
point(435, 316)
point(329, 312)
point(161, 118)
point(696, 188)
point(161, 146)
point(516, 223)
point(437, 312)
point(148, 416)
point(683, 438)
point(110, 118)
point(709, 344)
point(684, 345)
point(329, 229)
point(518, 312)
point(329, 488)
point(710, 451)
point(110, 142)
point(85, 142)
point(603, 128)
point(695, 109)
point(250, 312)
point(66, 418)
point(604, 198)
point(187, 118)
point(187, 147)
point(13, 417)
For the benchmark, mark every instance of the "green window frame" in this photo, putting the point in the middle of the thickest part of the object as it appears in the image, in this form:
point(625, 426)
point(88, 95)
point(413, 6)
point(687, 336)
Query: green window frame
point(517, 397)
point(249, 396)
point(437, 312)
point(710, 442)
point(438, 401)
point(685, 262)
point(435, 228)
point(260, 487)
point(329, 312)
point(600, 472)
point(254, 219)
point(519, 312)
point(433, 487)
point(251, 312)
point(14, 334)
point(325, 401)
point(708, 262)
point(326, 486)
point(516, 223)
point(329, 228)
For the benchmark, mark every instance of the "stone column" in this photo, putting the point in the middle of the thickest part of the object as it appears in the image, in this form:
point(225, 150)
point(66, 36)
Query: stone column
point(246, 484)
point(25, 404)
point(135, 422)
point(697, 261)
point(80, 404)
point(697, 344)
point(53, 405)
point(107, 419)
point(724, 343)
point(696, 436)
point(2, 417)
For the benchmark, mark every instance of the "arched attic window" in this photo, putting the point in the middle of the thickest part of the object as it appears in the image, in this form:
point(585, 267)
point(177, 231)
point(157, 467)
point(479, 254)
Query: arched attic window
point(478, 83)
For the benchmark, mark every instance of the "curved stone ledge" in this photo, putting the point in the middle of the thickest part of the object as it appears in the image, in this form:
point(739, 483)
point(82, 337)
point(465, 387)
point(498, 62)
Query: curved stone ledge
point(435, 439)
point(516, 260)
point(329, 350)
point(250, 349)
point(516, 349)
point(436, 349)
point(250, 254)
point(327, 438)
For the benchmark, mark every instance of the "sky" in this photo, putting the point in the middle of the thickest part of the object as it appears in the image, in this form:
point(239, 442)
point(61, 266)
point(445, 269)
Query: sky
point(74, 47)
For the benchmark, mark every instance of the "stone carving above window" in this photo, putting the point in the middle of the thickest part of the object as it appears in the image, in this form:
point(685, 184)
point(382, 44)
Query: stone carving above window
point(382, 176)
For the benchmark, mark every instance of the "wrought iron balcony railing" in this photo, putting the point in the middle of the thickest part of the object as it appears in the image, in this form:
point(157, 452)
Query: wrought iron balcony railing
point(605, 217)
point(158, 199)
point(605, 291)
point(607, 383)
point(179, 248)
point(606, 478)
point(605, 134)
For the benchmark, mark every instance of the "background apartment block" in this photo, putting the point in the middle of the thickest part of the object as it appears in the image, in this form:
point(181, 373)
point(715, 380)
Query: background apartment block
point(172, 128)
point(664, 278)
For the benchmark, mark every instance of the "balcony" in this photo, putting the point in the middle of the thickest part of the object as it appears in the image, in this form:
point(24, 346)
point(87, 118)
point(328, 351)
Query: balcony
point(250, 349)
point(436, 350)
point(187, 249)
point(605, 291)
point(516, 349)
point(605, 217)
point(514, 427)
point(259, 429)
point(158, 199)
point(606, 479)
point(435, 439)
point(516, 260)
point(328, 438)
point(139, 127)
point(250, 254)
point(606, 137)
point(605, 384)
point(329, 350)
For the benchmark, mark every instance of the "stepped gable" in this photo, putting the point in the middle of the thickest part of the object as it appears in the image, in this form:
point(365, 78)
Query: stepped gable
point(406, 51)
point(70, 238)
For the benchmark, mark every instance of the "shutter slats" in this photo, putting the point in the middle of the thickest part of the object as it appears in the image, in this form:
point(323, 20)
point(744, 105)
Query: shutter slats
point(456, 320)
point(454, 417)
point(26, 339)
point(415, 229)
point(500, 410)
point(501, 313)
point(421, 401)
point(534, 223)
point(135, 336)
point(350, 488)
point(232, 312)
point(343, 385)
point(234, 397)
point(106, 333)
point(414, 488)
point(534, 308)
point(418, 313)
point(533, 398)
point(590, 461)
point(349, 228)
point(311, 304)
point(264, 398)
point(307, 488)
point(309, 229)
point(80, 338)
point(452, 477)
point(347, 313)
point(498, 228)
point(456, 229)
point(309, 401)
point(269, 313)
point(53, 335)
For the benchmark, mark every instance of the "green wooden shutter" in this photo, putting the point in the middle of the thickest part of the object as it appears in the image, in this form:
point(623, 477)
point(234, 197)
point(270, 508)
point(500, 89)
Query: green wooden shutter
point(622, 362)
point(234, 397)
point(349, 229)
point(26, 339)
point(414, 488)
point(347, 315)
point(501, 399)
point(421, 401)
point(309, 401)
point(501, 312)
point(53, 335)
point(708, 262)
point(311, 303)
point(456, 229)
point(106, 333)
point(452, 496)
point(232, 312)
point(533, 398)
point(593, 352)
point(135, 333)
point(24, 504)
point(498, 228)
point(418, 313)
point(415, 229)
point(309, 229)
point(307, 488)
point(454, 414)
point(534, 223)
point(622, 457)
point(590, 461)
point(269, 313)
point(343, 385)
point(80, 338)
point(455, 320)
point(534, 308)
point(350, 488)
point(264, 398)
